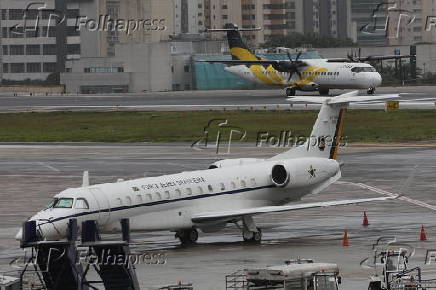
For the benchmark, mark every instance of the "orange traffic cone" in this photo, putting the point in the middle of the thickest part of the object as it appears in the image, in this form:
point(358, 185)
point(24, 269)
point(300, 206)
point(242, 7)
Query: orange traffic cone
point(365, 222)
point(345, 241)
point(423, 235)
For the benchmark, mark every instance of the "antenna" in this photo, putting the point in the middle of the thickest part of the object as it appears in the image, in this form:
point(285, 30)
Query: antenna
point(85, 182)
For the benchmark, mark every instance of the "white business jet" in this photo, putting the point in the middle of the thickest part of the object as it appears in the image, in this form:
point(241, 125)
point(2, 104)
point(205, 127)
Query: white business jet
point(230, 191)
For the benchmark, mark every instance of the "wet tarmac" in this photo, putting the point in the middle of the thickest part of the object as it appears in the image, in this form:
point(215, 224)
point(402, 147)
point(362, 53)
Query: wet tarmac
point(31, 174)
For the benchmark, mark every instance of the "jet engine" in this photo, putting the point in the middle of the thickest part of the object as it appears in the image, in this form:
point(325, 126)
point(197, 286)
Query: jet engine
point(302, 172)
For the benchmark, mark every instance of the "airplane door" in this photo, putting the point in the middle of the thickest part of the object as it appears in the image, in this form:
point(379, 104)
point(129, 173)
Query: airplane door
point(102, 203)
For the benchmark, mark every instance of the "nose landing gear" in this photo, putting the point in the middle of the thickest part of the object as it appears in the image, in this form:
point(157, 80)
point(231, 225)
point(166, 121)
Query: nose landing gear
point(370, 91)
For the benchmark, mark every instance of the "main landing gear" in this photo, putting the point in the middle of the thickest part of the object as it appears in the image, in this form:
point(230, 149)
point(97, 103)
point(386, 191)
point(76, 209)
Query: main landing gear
point(324, 92)
point(370, 91)
point(187, 237)
point(291, 91)
point(250, 233)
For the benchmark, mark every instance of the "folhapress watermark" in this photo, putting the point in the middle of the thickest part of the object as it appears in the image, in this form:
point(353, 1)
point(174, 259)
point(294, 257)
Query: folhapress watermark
point(37, 17)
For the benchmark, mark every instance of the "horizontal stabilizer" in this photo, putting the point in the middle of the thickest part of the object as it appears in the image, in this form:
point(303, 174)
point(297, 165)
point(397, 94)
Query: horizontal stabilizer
point(210, 217)
point(352, 97)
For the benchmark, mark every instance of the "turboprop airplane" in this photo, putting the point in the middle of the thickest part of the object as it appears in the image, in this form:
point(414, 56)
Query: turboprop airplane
point(229, 191)
point(296, 74)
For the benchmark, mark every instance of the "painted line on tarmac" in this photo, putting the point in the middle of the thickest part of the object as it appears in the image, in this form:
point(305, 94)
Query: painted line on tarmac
point(394, 195)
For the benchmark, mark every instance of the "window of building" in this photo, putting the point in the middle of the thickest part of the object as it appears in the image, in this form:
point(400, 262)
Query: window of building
point(73, 13)
point(5, 50)
point(49, 67)
point(49, 49)
point(224, 6)
point(31, 14)
point(33, 49)
point(187, 69)
point(48, 31)
point(4, 14)
point(6, 68)
point(187, 87)
point(17, 49)
point(73, 31)
point(33, 67)
point(16, 32)
point(4, 32)
point(16, 14)
point(31, 32)
point(225, 17)
point(73, 49)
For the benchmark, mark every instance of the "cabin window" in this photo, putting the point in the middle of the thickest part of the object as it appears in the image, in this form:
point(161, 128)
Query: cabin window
point(200, 190)
point(149, 197)
point(253, 182)
point(188, 191)
point(210, 188)
point(223, 187)
point(158, 196)
point(167, 195)
point(178, 193)
point(64, 203)
point(119, 202)
point(128, 200)
point(81, 203)
point(139, 198)
point(233, 184)
point(243, 184)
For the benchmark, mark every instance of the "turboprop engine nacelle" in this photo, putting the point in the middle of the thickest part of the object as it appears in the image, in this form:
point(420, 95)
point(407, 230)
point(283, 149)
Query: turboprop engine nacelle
point(234, 162)
point(309, 87)
point(294, 173)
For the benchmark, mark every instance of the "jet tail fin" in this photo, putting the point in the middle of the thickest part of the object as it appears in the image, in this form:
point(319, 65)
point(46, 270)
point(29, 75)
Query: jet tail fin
point(326, 136)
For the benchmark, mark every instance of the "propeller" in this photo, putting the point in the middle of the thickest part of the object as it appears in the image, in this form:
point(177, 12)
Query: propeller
point(294, 65)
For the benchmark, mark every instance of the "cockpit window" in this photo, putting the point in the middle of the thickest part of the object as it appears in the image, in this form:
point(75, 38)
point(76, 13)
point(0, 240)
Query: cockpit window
point(64, 203)
point(81, 203)
point(363, 69)
point(51, 204)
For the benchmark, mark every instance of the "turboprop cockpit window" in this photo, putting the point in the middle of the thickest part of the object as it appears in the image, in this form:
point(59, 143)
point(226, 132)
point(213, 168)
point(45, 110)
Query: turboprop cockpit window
point(64, 203)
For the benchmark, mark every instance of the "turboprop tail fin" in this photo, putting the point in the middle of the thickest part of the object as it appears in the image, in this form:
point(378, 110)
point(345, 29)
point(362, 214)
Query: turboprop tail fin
point(326, 136)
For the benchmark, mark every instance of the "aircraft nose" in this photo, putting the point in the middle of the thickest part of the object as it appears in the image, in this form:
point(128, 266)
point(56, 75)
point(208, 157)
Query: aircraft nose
point(377, 80)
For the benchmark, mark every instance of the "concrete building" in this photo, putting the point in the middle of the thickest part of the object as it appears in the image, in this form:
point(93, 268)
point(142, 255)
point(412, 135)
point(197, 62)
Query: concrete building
point(428, 19)
point(34, 45)
point(328, 18)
